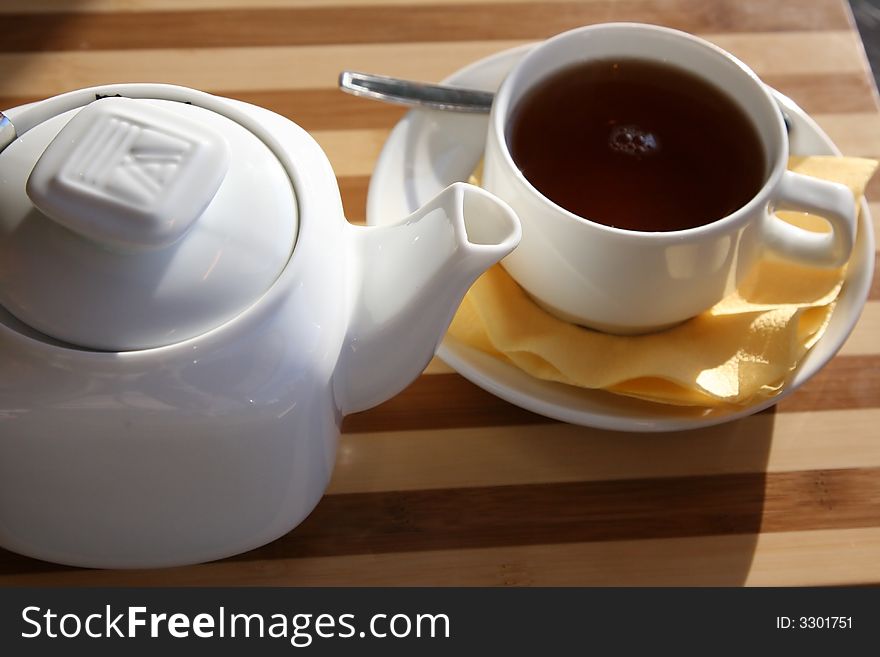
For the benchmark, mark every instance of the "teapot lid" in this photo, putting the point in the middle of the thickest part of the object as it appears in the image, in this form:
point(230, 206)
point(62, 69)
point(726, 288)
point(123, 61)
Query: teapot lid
point(136, 223)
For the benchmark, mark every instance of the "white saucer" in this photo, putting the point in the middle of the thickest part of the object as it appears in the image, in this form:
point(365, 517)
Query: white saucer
point(428, 150)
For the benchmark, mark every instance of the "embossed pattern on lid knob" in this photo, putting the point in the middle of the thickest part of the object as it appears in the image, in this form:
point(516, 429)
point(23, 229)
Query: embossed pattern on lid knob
point(129, 174)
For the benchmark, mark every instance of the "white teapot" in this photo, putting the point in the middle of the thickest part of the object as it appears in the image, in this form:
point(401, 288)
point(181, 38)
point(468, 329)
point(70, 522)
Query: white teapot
point(186, 316)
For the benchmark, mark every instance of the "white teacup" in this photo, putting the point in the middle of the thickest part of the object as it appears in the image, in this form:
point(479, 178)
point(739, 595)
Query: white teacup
point(627, 281)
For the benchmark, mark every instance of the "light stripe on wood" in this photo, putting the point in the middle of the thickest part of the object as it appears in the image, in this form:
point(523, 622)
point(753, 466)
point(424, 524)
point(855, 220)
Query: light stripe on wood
point(352, 152)
point(865, 338)
point(311, 67)
point(848, 556)
point(786, 54)
point(245, 69)
point(500, 456)
point(828, 93)
point(330, 109)
point(856, 134)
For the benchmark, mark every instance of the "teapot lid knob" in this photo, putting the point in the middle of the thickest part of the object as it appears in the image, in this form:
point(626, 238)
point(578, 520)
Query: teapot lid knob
point(129, 174)
point(136, 222)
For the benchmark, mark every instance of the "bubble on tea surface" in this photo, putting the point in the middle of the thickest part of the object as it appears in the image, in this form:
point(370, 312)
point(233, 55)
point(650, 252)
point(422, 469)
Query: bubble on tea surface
point(633, 140)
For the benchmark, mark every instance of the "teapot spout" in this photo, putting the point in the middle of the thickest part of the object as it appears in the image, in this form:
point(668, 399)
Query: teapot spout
point(408, 280)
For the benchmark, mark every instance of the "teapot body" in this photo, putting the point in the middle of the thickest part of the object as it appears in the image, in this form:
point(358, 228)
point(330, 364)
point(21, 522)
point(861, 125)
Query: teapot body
point(121, 454)
point(189, 452)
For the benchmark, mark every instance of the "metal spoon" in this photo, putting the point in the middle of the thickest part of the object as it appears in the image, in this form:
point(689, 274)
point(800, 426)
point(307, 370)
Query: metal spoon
point(415, 94)
point(434, 96)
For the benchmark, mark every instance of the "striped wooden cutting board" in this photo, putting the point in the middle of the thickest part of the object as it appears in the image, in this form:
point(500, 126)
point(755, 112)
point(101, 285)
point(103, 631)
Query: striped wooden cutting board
point(446, 484)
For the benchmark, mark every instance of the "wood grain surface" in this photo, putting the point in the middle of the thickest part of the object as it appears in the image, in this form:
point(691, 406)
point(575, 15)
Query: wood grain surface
point(446, 484)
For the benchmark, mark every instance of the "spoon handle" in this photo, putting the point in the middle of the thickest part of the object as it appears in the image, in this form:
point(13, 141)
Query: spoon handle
point(7, 132)
point(415, 94)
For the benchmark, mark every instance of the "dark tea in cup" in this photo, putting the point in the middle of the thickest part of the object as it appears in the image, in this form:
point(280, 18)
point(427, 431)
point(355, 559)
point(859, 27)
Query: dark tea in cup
point(637, 144)
point(654, 163)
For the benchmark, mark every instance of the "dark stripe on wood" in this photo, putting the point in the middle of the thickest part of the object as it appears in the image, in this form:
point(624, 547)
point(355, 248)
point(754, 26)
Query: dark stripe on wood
point(578, 512)
point(872, 191)
point(583, 512)
point(354, 197)
point(846, 383)
point(440, 401)
point(446, 401)
point(311, 109)
point(229, 28)
point(874, 292)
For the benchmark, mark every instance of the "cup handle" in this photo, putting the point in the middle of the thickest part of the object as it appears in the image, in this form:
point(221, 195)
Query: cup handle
point(831, 201)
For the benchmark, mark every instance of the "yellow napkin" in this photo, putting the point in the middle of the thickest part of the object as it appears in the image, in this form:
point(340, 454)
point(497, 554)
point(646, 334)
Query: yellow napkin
point(741, 350)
